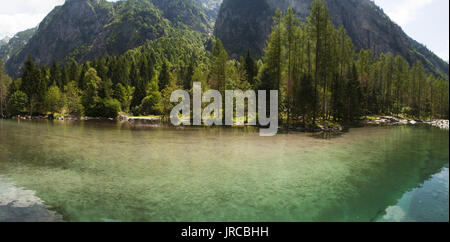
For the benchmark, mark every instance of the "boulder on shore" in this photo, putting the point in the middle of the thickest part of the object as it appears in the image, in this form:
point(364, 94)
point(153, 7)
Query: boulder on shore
point(390, 120)
point(440, 123)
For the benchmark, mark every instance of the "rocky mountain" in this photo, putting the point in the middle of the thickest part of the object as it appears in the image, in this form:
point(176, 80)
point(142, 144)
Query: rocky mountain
point(245, 24)
point(4, 41)
point(10, 47)
point(86, 29)
point(211, 7)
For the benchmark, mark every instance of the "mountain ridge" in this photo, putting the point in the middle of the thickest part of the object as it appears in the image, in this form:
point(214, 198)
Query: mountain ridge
point(86, 29)
point(366, 23)
point(15, 44)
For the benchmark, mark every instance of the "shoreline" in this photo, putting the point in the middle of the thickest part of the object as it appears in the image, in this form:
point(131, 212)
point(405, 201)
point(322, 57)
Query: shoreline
point(391, 120)
point(321, 126)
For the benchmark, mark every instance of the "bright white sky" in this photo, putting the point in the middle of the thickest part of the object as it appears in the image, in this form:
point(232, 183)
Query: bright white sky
point(426, 21)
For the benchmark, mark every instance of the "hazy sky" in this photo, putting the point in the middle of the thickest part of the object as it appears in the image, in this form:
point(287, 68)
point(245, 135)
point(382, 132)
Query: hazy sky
point(426, 21)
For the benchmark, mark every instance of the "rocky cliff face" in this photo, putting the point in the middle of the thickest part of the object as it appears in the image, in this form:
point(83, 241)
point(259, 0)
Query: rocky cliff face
point(10, 47)
point(211, 7)
point(86, 29)
point(4, 41)
point(245, 24)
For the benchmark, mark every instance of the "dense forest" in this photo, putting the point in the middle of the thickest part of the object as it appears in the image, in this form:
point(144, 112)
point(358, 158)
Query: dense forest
point(314, 65)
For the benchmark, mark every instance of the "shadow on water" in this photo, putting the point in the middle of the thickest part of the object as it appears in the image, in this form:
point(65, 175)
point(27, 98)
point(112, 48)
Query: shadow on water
point(327, 135)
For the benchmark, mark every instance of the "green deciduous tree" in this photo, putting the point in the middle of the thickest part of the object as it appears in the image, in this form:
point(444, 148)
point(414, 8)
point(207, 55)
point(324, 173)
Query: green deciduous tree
point(54, 100)
point(73, 99)
point(17, 103)
point(152, 103)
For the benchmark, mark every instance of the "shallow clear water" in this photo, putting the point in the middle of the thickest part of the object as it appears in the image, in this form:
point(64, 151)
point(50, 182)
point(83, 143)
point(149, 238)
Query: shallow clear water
point(88, 171)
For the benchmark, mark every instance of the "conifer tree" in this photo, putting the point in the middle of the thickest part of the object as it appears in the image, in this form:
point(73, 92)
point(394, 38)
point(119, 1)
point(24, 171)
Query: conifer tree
point(218, 66)
point(30, 80)
point(164, 76)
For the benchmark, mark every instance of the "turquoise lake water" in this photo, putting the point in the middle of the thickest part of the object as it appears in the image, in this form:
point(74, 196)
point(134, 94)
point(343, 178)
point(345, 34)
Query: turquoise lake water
point(107, 171)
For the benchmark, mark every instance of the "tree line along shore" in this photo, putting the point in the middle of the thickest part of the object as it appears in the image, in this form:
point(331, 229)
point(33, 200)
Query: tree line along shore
point(321, 78)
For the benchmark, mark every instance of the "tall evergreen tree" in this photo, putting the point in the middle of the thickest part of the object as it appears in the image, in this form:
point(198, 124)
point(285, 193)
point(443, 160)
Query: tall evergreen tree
point(30, 80)
point(164, 76)
point(218, 66)
point(251, 68)
point(353, 95)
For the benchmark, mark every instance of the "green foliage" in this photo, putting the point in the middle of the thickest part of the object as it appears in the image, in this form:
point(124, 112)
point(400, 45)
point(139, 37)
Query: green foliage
point(312, 64)
point(273, 58)
point(90, 97)
point(124, 95)
point(304, 97)
point(5, 83)
point(353, 96)
point(218, 66)
point(152, 103)
point(167, 106)
point(17, 103)
point(164, 76)
point(251, 68)
point(108, 108)
point(73, 99)
point(54, 100)
point(30, 79)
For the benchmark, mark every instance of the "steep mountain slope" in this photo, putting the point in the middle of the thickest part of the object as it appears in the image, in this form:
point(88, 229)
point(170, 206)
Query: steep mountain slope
point(15, 44)
point(243, 25)
point(211, 7)
point(86, 29)
point(4, 41)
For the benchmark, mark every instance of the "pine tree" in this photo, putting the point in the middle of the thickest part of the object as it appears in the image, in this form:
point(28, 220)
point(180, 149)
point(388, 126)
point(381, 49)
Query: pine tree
point(30, 80)
point(64, 76)
point(137, 82)
point(304, 97)
point(353, 95)
point(187, 80)
point(273, 58)
point(164, 76)
point(55, 75)
point(90, 98)
point(318, 26)
point(338, 98)
point(250, 68)
point(74, 71)
point(218, 66)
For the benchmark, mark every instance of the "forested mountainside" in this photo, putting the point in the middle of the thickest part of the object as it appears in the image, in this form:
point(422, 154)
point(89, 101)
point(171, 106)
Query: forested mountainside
point(85, 29)
point(128, 57)
point(245, 24)
point(10, 47)
point(211, 7)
